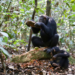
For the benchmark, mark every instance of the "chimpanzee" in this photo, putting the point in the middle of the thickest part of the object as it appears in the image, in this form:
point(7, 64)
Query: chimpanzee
point(60, 57)
point(48, 32)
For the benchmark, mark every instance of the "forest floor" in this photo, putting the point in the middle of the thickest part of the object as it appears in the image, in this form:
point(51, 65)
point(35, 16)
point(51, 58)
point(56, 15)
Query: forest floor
point(34, 67)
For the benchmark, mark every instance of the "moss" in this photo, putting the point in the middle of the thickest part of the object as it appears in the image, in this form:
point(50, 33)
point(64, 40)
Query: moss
point(35, 54)
point(16, 58)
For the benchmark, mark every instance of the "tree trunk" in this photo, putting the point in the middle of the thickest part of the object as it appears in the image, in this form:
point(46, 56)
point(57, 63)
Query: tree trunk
point(48, 8)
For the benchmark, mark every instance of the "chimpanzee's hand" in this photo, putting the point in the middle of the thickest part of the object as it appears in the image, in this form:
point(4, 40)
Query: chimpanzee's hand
point(38, 24)
point(48, 50)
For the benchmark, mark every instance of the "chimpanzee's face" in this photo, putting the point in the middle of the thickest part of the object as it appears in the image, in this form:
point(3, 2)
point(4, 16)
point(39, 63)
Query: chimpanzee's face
point(42, 19)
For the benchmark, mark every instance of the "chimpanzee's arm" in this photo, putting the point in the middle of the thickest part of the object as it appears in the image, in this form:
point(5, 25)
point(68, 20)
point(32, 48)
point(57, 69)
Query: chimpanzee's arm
point(35, 30)
point(64, 54)
point(50, 27)
point(47, 30)
point(54, 50)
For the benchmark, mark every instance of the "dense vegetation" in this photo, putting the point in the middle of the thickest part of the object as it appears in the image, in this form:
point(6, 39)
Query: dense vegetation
point(13, 16)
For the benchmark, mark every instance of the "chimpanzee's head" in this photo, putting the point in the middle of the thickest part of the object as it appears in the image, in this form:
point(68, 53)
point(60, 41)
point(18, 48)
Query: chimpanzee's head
point(43, 19)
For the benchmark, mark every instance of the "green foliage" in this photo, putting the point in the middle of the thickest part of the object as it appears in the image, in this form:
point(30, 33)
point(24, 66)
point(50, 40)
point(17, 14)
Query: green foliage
point(65, 18)
point(13, 19)
point(73, 7)
point(0, 8)
point(3, 42)
point(5, 39)
point(18, 42)
point(4, 51)
point(72, 1)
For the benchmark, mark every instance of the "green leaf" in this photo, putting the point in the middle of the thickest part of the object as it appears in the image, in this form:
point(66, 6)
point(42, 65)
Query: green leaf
point(68, 4)
point(16, 42)
point(58, 24)
point(5, 39)
point(0, 8)
point(72, 1)
point(65, 1)
point(73, 15)
point(65, 15)
point(20, 1)
point(5, 52)
point(73, 7)
point(33, 1)
point(21, 10)
point(67, 50)
point(6, 22)
point(4, 34)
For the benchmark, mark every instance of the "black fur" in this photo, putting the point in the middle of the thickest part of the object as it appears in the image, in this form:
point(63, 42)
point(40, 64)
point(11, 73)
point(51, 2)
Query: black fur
point(48, 32)
point(60, 57)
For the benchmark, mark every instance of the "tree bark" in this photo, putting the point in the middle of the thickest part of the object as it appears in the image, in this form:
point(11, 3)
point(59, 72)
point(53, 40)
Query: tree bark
point(48, 8)
point(31, 55)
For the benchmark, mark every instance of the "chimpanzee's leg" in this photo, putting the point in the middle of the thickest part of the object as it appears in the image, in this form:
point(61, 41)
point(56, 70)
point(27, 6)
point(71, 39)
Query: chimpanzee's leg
point(61, 62)
point(64, 63)
point(54, 41)
point(54, 63)
point(37, 42)
point(63, 59)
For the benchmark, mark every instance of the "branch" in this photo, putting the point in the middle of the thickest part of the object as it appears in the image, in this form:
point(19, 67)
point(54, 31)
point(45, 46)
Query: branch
point(31, 29)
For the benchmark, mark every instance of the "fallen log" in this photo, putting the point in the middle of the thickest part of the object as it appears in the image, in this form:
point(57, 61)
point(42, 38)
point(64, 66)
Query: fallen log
point(31, 55)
